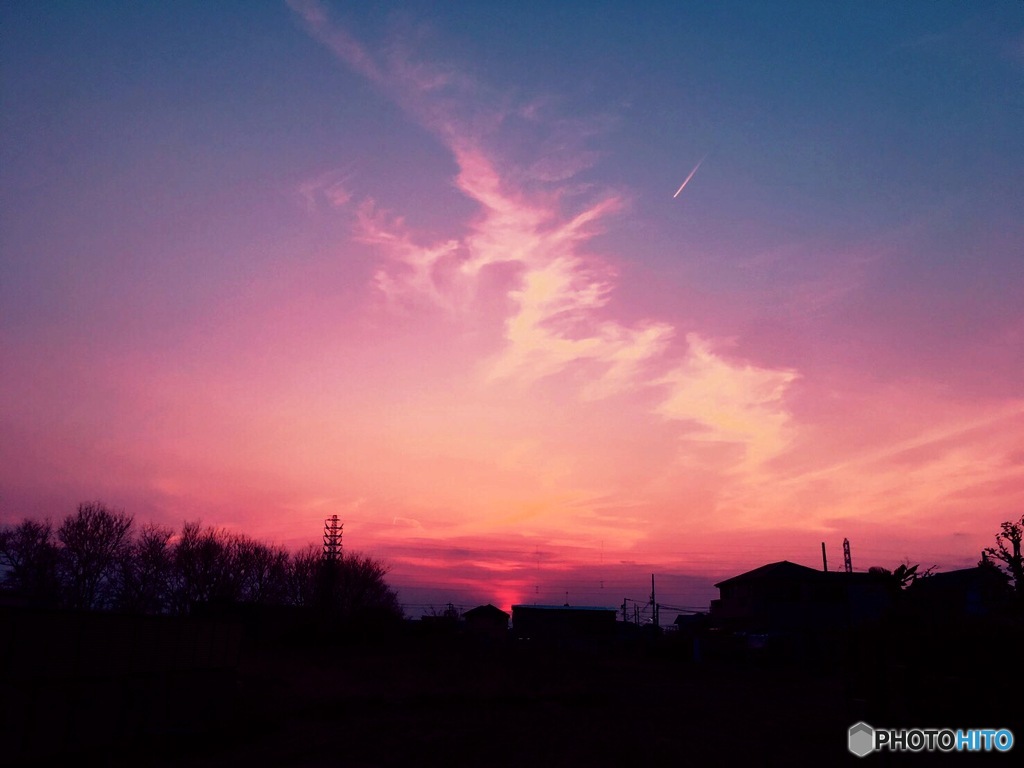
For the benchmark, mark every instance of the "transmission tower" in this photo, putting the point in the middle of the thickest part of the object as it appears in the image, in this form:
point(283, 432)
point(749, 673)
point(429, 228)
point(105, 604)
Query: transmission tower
point(847, 562)
point(332, 538)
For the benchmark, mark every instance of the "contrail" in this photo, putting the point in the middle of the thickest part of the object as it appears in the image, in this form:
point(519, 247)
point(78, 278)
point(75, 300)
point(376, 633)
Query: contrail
point(687, 181)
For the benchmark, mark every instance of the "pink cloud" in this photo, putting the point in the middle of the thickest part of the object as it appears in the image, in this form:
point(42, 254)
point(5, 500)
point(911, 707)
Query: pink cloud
point(556, 299)
point(729, 402)
point(560, 290)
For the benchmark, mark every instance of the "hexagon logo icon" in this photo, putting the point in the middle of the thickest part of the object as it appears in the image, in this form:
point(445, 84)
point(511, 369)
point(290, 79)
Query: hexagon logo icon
point(861, 739)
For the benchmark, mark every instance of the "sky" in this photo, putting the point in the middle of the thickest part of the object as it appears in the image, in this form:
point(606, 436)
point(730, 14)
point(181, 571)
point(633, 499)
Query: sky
point(424, 266)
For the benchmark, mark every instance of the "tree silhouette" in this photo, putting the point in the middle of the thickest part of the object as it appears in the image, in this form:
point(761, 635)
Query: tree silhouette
point(362, 591)
point(351, 587)
point(901, 577)
point(28, 556)
point(94, 542)
point(302, 576)
point(97, 560)
point(146, 570)
point(202, 570)
point(1008, 552)
point(261, 571)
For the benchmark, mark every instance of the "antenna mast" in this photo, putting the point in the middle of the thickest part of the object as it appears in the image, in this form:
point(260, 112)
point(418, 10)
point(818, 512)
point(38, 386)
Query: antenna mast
point(847, 562)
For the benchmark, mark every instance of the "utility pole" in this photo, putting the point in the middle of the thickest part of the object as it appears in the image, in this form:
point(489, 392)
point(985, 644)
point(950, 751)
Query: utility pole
point(654, 605)
point(824, 560)
point(847, 562)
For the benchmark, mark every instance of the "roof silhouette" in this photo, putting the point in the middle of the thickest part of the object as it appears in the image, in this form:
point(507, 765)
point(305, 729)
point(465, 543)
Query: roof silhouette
point(782, 569)
point(484, 610)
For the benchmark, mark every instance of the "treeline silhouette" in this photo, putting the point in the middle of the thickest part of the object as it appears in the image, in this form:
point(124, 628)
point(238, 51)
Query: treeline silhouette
point(98, 559)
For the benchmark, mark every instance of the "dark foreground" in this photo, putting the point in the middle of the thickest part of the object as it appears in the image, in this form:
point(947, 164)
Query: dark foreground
point(527, 707)
point(451, 701)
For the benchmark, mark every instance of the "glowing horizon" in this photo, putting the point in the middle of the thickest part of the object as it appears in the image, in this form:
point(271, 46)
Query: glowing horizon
point(458, 310)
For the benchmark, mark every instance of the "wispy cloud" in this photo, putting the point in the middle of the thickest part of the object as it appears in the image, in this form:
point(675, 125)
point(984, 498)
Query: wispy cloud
point(926, 471)
point(329, 188)
point(417, 271)
point(729, 403)
point(533, 220)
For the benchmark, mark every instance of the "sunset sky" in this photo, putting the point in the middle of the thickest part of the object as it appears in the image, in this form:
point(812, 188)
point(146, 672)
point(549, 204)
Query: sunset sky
point(420, 265)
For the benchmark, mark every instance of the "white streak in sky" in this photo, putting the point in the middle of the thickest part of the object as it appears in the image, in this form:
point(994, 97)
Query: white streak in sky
point(687, 181)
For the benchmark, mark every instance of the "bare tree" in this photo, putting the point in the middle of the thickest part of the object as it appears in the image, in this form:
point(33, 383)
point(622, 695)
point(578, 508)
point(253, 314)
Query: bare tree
point(28, 556)
point(261, 570)
point(351, 588)
point(202, 568)
point(145, 571)
point(362, 591)
point(94, 561)
point(93, 543)
point(302, 576)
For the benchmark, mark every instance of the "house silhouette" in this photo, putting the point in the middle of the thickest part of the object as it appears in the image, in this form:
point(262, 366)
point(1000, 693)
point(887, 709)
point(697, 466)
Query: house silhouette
point(788, 597)
point(486, 621)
